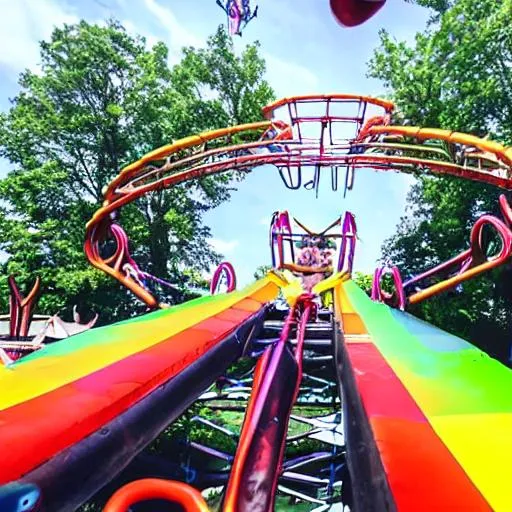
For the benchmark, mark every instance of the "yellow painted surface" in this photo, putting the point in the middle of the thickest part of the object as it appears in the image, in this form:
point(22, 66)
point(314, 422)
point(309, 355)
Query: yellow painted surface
point(350, 321)
point(293, 287)
point(42, 375)
point(330, 282)
point(341, 300)
point(481, 443)
point(490, 439)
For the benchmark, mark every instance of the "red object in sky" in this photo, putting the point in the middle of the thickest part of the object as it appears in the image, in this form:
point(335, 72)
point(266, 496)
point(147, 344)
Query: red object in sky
point(354, 12)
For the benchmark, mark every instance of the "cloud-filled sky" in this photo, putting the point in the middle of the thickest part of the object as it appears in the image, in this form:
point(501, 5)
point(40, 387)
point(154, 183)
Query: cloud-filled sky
point(305, 50)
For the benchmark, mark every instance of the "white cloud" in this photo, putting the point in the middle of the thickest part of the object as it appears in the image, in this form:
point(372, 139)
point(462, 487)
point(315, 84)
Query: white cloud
point(223, 246)
point(179, 35)
point(288, 78)
point(133, 29)
point(23, 24)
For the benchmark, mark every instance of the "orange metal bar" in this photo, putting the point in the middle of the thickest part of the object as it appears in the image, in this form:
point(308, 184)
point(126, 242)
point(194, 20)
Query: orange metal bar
point(181, 144)
point(306, 270)
point(477, 259)
point(91, 252)
point(376, 161)
point(373, 121)
point(268, 109)
point(502, 152)
point(385, 162)
point(453, 281)
point(169, 181)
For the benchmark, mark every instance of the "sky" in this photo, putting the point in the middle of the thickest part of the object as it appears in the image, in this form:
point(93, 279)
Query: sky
point(306, 51)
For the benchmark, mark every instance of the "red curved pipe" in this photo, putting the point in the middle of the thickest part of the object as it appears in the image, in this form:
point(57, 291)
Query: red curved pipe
point(378, 294)
point(348, 243)
point(21, 308)
point(258, 460)
point(351, 13)
point(280, 227)
point(152, 489)
point(472, 261)
point(506, 210)
point(224, 269)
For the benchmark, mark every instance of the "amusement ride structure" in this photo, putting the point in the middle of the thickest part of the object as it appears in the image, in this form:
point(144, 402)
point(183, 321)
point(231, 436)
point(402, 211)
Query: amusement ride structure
point(409, 402)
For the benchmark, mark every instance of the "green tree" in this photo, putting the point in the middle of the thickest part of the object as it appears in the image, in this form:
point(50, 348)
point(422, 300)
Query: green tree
point(456, 75)
point(100, 101)
point(364, 281)
point(262, 271)
point(439, 6)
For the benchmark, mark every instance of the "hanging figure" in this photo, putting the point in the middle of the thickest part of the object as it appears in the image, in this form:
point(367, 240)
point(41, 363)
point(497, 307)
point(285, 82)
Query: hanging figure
point(238, 13)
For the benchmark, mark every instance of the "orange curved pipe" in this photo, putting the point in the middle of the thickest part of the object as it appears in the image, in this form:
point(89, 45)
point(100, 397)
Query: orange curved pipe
point(155, 489)
point(171, 174)
point(383, 162)
point(502, 153)
point(269, 109)
point(358, 159)
point(187, 142)
point(476, 254)
point(92, 254)
point(373, 121)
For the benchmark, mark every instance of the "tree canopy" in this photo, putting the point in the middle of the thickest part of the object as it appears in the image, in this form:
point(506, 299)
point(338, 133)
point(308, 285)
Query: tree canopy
point(261, 271)
point(100, 100)
point(456, 75)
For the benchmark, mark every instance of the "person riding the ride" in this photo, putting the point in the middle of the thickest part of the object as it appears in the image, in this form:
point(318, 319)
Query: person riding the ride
point(316, 253)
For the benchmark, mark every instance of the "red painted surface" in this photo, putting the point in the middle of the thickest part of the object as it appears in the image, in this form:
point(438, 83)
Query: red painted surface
point(407, 443)
point(146, 489)
point(354, 12)
point(373, 373)
point(39, 434)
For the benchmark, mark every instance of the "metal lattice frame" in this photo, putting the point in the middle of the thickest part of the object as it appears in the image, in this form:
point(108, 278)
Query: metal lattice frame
point(285, 145)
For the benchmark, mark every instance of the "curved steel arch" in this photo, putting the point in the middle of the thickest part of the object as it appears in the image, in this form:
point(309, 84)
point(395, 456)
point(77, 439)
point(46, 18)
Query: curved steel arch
point(242, 147)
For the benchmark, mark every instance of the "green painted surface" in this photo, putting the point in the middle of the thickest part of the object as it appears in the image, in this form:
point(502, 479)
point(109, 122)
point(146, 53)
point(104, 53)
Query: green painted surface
point(119, 331)
point(462, 381)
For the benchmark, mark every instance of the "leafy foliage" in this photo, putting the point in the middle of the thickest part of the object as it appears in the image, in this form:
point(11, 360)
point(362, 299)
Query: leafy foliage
point(100, 101)
point(456, 75)
point(439, 6)
point(262, 271)
point(364, 281)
